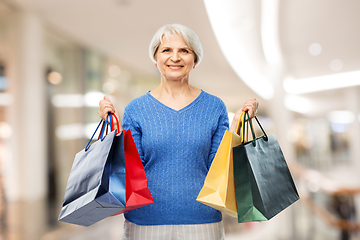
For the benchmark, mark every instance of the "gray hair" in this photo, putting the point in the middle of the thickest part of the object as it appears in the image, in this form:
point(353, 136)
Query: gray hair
point(186, 33)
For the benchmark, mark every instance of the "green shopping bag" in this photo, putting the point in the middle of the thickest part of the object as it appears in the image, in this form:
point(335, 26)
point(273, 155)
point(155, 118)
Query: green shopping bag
point(263, 183)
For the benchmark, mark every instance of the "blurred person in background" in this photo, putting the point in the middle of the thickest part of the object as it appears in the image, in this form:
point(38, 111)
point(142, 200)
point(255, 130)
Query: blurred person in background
point(177, 129)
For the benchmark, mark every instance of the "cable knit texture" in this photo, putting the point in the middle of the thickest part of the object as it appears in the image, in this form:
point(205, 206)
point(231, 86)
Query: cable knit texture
point(177, 149)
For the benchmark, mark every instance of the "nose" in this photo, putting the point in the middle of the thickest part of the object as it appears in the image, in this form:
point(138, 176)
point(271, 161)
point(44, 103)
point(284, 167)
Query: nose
point(175, 56)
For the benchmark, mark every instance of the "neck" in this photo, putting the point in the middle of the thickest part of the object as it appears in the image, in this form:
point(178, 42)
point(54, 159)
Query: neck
point(175, 87)
point(175, 94)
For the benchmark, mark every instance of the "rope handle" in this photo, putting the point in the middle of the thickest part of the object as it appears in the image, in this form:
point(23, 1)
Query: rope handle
point(111, 125)
point(104, 124)
point(238, 124)
point(249, 121)
point(88, 145)
point(252, 128)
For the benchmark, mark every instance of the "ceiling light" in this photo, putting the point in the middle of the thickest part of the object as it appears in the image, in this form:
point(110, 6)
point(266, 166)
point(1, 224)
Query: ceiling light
point(70, 131)
point(68, 100)
point(5, 130)
point(345, 117)
point(339, 127)
point(92, 99)
point(336, 65)
point(54, 78)
point(326, 82)
point(298, 104)
point(315, 49)
point(6, 99)
point(340, 120)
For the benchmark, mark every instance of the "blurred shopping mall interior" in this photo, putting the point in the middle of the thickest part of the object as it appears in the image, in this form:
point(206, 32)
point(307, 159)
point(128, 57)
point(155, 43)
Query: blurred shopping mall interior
point(299, 58)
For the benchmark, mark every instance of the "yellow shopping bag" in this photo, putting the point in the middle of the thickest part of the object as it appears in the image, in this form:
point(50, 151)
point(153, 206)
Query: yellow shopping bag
point(219, 189)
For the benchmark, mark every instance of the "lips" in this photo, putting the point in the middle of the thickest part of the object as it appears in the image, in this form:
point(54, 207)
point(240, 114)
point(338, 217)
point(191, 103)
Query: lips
point(175, 67)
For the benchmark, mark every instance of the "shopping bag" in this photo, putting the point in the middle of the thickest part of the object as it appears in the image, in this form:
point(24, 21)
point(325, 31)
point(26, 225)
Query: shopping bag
point(96, 185)
point(263, 183)
point(137, 192)
point(218, 190)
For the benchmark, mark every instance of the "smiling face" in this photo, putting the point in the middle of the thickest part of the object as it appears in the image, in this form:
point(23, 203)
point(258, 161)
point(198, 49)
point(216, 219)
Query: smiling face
point(174, 58)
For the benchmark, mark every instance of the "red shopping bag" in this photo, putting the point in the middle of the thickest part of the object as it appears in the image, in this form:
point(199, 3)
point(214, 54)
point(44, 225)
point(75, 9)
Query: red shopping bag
point(137, 192)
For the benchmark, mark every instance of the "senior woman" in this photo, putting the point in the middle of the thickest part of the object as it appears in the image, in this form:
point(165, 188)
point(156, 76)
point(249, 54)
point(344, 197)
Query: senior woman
point(177, 129)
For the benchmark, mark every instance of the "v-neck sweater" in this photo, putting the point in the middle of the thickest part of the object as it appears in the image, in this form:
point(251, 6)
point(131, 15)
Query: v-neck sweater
point(176, 148)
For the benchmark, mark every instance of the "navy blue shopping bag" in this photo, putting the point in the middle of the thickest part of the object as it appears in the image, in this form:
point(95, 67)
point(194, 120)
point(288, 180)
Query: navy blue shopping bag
point(96, 185)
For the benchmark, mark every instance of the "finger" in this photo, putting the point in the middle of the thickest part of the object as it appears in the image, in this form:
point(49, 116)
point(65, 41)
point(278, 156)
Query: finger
point(104, 109)
point(105, 104)
point(107, 110)
point(107, 98)
point(103, 115)
point(252, 111)
point(250, 106)
point(238, 114)
point(103, 112)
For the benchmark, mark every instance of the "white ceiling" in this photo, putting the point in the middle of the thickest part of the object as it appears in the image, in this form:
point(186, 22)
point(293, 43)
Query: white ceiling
point(334, 24)
point(123, 29)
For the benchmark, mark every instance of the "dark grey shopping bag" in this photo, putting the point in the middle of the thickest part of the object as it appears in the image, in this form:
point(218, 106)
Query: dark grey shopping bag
point(263, 184)
point(96, 185)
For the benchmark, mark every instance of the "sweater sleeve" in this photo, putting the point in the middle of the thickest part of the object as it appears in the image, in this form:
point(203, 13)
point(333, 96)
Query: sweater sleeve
point(222, 126)
point(129, 123)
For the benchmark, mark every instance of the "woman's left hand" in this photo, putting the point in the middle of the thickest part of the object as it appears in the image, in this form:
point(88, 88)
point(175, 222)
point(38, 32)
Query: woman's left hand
point(251, 106)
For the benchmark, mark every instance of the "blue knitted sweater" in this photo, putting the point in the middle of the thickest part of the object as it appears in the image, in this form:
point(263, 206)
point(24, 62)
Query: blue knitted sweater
point(177, 149)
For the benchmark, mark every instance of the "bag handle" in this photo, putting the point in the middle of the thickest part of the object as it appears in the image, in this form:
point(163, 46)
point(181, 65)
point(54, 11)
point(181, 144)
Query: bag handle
point(238, 123)
point(117, 123)
point(247, 127)
point(88, 145)
point(111, 125)
point(104, 124)
point(242, 133)
point(252, 129)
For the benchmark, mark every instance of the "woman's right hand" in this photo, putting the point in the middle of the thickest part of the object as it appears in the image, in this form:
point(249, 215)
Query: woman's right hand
point(106, 106)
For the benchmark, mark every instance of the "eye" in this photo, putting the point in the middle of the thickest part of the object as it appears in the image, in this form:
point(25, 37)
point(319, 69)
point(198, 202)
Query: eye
point(166, 50)
point(185, 51)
